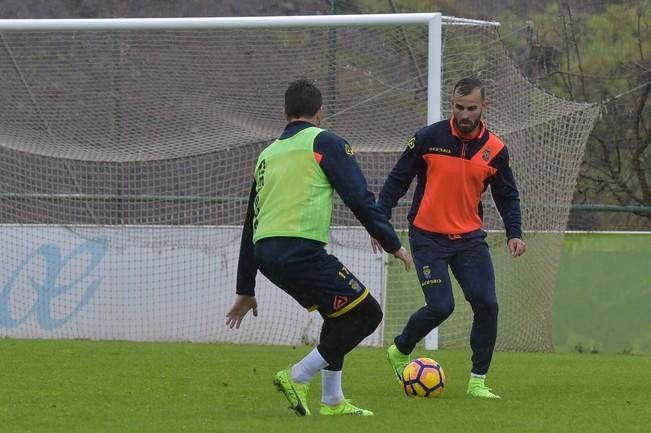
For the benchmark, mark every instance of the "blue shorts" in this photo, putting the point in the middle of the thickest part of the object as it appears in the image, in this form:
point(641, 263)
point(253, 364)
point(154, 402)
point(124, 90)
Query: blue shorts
point(305, 270)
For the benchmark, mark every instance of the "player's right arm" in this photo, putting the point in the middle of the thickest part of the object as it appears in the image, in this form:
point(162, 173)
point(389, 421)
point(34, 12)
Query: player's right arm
point(246, 271)
point(399, 179)
point(246, 267)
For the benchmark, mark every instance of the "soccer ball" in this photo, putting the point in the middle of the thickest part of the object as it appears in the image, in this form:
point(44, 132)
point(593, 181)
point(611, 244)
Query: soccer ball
point(423, 377)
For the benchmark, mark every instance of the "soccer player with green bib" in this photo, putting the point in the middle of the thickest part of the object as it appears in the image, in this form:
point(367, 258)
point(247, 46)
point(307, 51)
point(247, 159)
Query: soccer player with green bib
point(284, 235)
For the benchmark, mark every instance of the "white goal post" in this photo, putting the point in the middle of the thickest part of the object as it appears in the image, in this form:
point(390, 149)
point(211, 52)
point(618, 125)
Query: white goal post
point(127, 145)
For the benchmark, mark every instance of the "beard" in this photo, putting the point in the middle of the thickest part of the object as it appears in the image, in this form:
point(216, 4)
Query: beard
point(468, 125)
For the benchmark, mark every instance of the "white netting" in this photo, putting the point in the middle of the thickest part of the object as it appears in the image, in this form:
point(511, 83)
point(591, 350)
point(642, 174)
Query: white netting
point(126, 160)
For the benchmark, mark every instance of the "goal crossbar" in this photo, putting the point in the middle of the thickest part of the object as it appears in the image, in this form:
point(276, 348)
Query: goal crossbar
point(210, 23)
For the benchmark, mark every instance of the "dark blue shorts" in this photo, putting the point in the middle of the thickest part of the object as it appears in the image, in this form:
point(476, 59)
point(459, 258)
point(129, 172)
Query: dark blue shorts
point(305, 270)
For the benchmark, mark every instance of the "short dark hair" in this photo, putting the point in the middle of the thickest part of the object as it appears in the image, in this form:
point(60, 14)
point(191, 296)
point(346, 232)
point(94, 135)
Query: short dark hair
point(302, 99)
point(465, 86)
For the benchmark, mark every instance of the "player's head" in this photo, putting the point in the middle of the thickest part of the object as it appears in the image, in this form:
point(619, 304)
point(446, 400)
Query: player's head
point(468, 102)
point(303, 101)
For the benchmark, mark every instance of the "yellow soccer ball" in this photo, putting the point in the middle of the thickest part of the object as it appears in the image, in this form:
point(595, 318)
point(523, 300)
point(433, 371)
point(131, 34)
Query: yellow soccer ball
point(423, 377)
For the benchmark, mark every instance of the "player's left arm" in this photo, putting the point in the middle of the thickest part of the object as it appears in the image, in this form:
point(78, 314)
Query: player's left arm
point(507, 200)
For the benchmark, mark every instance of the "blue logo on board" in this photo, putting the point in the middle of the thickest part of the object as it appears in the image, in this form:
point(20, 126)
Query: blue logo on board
point(47, 285)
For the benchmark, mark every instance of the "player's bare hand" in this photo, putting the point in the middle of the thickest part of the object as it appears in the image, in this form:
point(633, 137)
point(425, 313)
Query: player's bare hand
point(404, 255)
point(377, 248)
point(240, 307)
point(517, 247)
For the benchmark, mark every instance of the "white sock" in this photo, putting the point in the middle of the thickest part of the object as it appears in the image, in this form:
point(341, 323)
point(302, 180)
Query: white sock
point(331, 392)
point(305, 369)
point(477, 376)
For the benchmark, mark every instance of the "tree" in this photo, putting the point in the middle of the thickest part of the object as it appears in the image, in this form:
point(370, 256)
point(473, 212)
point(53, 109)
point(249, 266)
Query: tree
point(599, 56)
point(604, 57)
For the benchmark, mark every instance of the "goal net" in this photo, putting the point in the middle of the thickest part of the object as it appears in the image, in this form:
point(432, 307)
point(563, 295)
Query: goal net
point(126, 157)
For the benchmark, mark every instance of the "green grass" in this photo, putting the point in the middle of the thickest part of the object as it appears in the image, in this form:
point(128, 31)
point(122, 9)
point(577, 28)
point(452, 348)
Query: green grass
point(95, 387)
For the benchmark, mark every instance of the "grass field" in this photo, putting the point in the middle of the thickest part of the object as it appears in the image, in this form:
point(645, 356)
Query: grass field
point(96, 387)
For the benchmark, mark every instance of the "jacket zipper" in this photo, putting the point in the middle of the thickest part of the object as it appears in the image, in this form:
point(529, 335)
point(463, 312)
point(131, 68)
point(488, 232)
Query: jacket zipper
point(463, 148)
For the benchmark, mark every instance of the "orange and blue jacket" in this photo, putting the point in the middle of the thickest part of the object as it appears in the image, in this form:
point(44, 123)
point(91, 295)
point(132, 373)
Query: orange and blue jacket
point(452, 172)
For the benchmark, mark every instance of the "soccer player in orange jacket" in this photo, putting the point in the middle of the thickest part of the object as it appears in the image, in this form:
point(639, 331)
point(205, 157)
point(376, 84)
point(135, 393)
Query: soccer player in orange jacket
point(455, 160)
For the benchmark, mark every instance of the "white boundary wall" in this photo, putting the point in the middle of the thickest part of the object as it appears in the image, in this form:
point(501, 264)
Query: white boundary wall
point(56, 284)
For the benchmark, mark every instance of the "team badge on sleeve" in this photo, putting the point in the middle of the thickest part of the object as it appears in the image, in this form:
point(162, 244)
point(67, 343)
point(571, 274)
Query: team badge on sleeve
point(411, 143)
point(349, 150)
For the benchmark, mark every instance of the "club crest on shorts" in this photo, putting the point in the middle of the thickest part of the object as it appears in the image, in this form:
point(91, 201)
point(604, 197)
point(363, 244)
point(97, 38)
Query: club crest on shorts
point(427, 272)
point(339, 302)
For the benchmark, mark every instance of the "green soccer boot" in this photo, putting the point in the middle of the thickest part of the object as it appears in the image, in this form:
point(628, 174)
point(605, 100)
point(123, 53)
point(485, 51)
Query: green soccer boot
point(296, 393)
point(343, 408)
point(477, 388)
point(398, 361)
